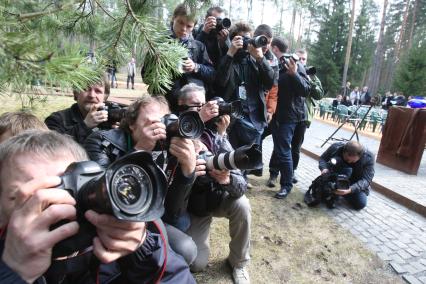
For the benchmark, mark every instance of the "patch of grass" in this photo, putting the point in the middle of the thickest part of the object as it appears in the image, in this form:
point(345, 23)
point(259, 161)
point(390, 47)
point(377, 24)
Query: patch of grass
point(292, 243)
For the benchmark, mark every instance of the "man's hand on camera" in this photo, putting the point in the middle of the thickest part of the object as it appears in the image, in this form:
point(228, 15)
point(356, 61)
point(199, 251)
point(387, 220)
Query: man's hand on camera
point(200, 168)
point(94, 117)
point(188, 65)
point(29, 240)
point(148, 137)
point(257, 53)
point(221, 176)
point(222, 36)
point(324, 171)
point(183, 149)
point(209, 24)
point(115, 238)
point(222, 124)
point(209, 110)
point(343, 191)
point(236, 43)
point(291, 67)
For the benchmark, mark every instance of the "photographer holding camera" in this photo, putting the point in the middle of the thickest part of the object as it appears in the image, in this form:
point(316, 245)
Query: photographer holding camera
point(31, 168)
point(217, 193)
point(360, 161)
point(214, 34)
point(81, 118)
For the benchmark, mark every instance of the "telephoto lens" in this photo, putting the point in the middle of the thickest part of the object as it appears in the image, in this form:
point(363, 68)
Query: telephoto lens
point(188, 125)
point(132, 188)
point(259, 41)
point(311, 70)
point(221, 24)
point(244, 158)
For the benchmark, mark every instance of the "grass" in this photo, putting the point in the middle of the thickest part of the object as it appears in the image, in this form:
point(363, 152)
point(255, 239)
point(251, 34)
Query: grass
point(290, 242)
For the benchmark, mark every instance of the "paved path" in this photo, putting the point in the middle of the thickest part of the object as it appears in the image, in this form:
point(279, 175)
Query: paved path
point(396, 234)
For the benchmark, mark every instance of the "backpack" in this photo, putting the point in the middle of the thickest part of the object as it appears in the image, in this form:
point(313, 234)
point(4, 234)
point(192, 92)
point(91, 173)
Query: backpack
point(313, 196)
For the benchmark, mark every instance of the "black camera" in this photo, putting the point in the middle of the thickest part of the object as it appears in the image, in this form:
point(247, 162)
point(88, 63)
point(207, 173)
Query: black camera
point(285, 60)
point(244, 158)
point(337, 178)
point(234, 108)
point(221, 24)
point(311, 70)
point(132, 188)
point(115, 114)
point(259, 41)
point(187, 125)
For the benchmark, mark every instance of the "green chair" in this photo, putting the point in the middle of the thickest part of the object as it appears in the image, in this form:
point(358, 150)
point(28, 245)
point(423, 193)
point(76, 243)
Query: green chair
point(375, 119)
point(342, 113)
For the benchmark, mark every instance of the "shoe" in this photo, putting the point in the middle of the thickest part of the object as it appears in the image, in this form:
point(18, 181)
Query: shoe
point(240, 275)
point(271, 182)
point(249, 186)
point(282, 193)
point(294, 180)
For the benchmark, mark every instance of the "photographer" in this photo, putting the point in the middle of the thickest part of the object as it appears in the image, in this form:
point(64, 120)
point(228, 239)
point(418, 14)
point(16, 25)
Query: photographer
point(245, 74)
point(197, 67)
point(293, 87)
point(218, 193)
point(83, 117)
point(214, 37)
point(13, 123)
point(361, 161)
point(142, 129)
point(122, 252)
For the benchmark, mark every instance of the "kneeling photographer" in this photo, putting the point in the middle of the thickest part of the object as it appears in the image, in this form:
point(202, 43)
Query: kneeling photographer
point(347, 169)
point(63, 218)
point(144, 127)
point(219, 188)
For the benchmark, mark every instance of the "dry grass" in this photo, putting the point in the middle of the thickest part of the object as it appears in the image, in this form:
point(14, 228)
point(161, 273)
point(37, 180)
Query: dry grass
point(295, 244)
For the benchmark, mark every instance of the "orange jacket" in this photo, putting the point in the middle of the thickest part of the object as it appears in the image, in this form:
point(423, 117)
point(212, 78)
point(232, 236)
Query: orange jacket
point(271, 99)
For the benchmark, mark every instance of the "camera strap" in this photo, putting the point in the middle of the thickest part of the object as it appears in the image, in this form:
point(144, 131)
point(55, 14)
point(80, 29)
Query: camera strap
point(163, 267)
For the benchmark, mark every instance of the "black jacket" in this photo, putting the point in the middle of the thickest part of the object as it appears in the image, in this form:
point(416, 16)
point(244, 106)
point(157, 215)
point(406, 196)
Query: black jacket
point(106, 146)
point(259, 79)
point(69, 121)
point(214, 50)
point(292, 90)
point(362, 170)
point(142, 266)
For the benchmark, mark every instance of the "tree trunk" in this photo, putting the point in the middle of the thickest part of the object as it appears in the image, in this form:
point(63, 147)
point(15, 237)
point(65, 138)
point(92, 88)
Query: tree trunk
point(263, 10)
point(293, 20)
point(280, 31)
point(230, 8)
point(378, 56)
point(402, 32)
point(250, 10)
point(413, 24)
point(349, 45)
point(299, 33)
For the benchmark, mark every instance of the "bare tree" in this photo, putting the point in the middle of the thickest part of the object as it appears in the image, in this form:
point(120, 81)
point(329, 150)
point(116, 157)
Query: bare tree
point(349, 45)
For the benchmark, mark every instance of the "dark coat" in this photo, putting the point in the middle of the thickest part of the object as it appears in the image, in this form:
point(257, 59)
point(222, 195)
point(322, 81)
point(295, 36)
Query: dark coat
point(259, 79)
point(362, 170)
point(214, 50)
point(142, 266)
point(106, 146)
point(292, 91)
point(69, 121)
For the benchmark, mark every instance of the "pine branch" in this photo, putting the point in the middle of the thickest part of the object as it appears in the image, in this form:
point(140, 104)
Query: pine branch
point(104, 10)
point(29, 16)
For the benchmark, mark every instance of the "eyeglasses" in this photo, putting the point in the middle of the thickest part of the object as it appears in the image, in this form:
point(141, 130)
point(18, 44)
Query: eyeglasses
point(187, 107)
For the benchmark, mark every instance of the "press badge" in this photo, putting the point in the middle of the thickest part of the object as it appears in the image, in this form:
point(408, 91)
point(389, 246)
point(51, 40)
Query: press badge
point(242, 94)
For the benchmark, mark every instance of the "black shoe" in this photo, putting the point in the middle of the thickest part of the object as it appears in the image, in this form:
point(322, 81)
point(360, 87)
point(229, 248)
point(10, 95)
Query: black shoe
point(271, 182)
point(282, 193)
point(294, 180)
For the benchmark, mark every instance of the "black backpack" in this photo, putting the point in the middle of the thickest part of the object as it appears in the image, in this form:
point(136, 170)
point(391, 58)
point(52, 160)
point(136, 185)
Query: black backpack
point(313, 196)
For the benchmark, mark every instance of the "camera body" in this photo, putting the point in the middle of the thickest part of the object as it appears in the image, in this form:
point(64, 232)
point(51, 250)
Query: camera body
point(132, 188)
point(234, 108)
point(244, 158)
point(259, 41)
point(311, 70)
point(115, 114)
point(337, 178)
point(285, 60)
point(221, 24)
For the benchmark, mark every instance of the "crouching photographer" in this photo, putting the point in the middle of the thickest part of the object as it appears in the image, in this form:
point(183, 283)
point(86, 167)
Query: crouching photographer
point(66, 220)
point(149, 126)
point(219, 188)
point(347, 169)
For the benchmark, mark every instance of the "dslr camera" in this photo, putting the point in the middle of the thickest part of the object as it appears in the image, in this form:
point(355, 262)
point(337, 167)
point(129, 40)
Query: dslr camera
point(285, 60)
point(259, 41)
point(337, 178)
point(115, 114)
point(132, 188)
point(221, 24)
point(187, 125)
point(234, 108)
point(244, 158)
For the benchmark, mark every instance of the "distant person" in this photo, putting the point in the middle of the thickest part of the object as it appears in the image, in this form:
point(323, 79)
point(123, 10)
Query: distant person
point(337, 101)
point(131, 71)
point(387, 100)
point(346, 90)
point(83, 117)
point(13, 123)
point(112, 70)
point(354, 96)
point(365, 97)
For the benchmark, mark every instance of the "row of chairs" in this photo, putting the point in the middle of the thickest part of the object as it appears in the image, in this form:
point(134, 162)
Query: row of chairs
point(375, 118)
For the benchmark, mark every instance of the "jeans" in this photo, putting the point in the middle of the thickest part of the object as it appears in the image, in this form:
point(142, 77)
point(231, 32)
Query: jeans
point(132, 79)
point(297, 141)
point(357, 200)
point(282, 134)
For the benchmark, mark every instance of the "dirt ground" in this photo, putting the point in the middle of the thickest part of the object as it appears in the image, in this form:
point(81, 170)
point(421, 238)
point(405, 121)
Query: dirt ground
point(292, 243)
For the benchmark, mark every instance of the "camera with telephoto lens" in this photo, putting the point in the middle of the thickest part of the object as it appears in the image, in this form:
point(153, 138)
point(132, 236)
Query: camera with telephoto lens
point(285, 60)
point(259, 41)
point(115, 114)
point(221, 24)
point(247, 157)
point(311, 70)
point(337, 178)
point(187, 125)
point(132, 188)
